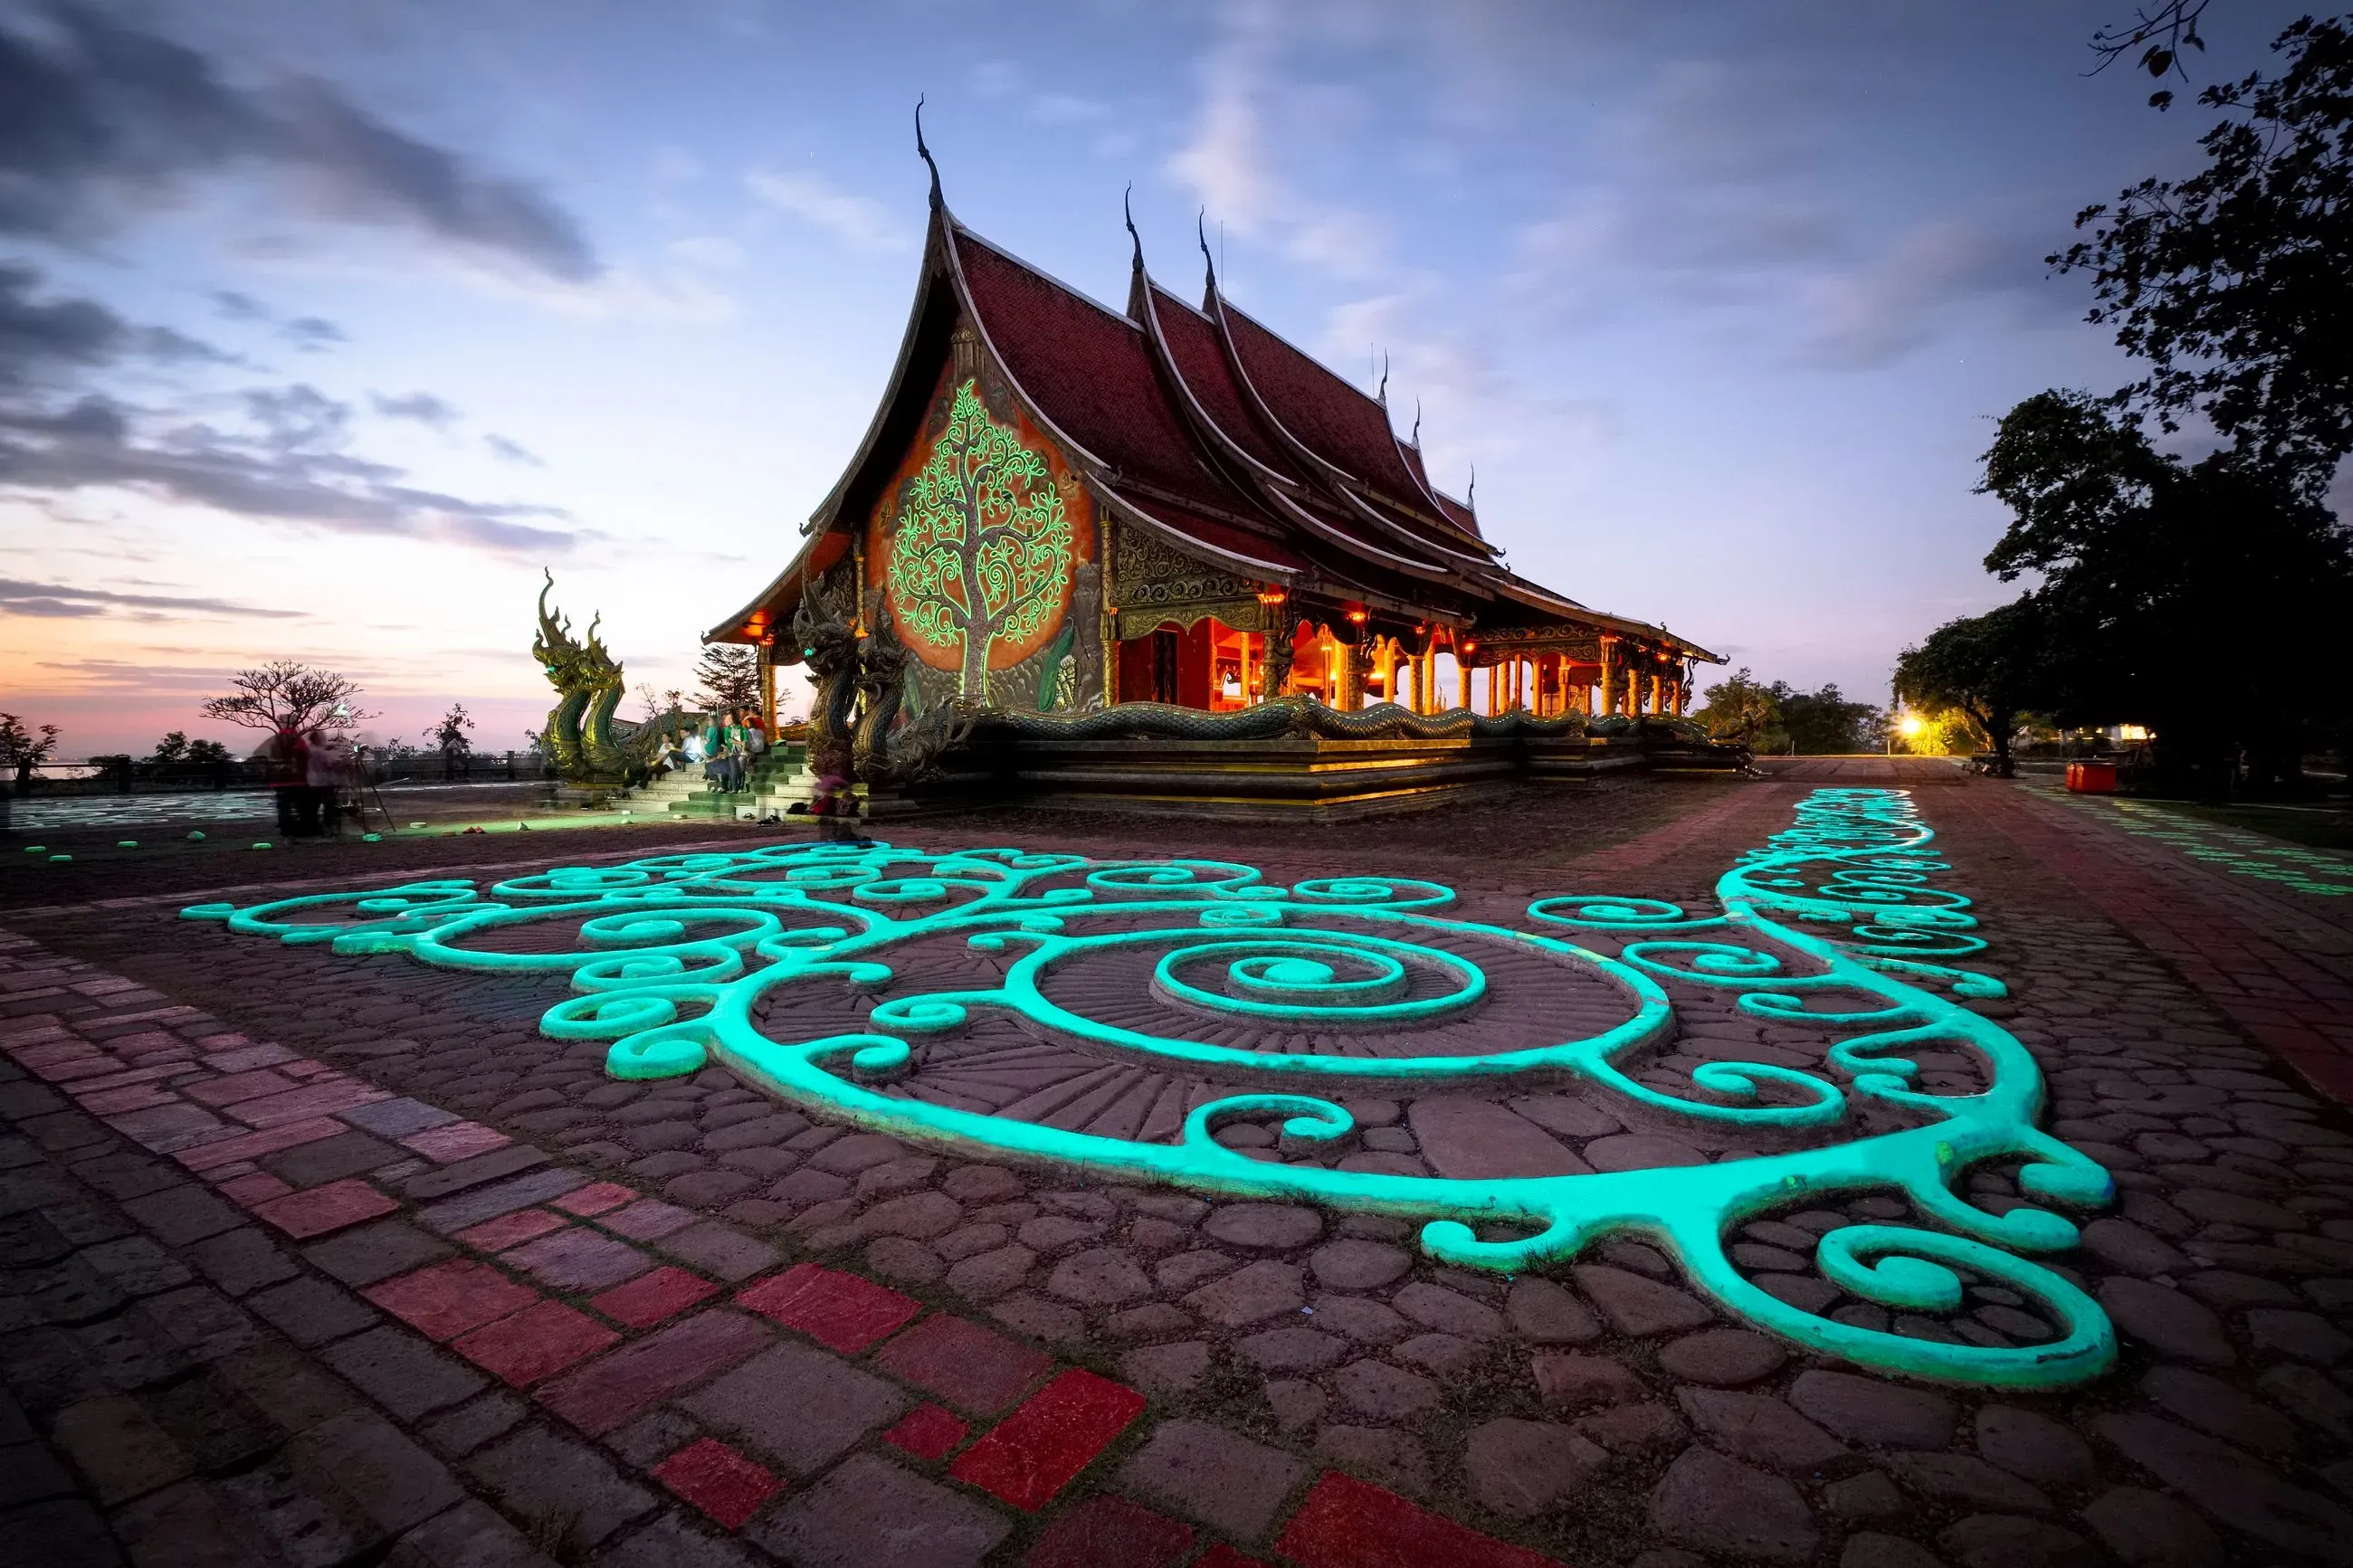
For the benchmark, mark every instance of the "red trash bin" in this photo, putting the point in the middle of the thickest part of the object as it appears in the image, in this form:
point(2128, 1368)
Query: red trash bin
point(2092, 778)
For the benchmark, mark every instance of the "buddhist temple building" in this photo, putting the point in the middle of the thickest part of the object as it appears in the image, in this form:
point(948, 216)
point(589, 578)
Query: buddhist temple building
point(1061, 507)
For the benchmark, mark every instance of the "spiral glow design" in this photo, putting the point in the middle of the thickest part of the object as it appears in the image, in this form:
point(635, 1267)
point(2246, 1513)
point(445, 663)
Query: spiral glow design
point(678, 960)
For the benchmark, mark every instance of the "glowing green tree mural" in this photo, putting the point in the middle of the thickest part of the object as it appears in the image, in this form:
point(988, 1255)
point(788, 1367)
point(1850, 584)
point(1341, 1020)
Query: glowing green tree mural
point(980, 552)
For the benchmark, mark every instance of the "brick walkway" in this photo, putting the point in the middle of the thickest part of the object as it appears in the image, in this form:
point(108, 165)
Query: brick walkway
point(320, 1260)
point(2278, 961)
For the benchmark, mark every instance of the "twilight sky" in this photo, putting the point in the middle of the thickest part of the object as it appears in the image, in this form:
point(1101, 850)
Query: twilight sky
point(324, 328)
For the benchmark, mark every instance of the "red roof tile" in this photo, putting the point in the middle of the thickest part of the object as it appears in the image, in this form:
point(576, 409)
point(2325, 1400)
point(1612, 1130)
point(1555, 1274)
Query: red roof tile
point(1090, 371)
point(1336, 421)
point(1217, 535)
point(1200, 359)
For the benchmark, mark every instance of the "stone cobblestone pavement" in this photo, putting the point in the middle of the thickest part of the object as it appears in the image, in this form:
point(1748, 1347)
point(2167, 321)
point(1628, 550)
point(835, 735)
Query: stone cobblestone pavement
point(312, 1259)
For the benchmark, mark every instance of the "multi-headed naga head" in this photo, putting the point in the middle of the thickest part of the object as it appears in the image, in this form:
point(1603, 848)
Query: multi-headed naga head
point(827, 639)
point(571, 666)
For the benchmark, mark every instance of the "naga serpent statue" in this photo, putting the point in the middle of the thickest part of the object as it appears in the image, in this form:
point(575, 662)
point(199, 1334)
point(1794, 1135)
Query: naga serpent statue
point(828, 644)
point(1292, 716)
point(580, 734)
point(884, 751)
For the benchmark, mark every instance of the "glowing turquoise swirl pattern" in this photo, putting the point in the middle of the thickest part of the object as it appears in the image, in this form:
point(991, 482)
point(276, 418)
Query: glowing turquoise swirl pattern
point(683, 959)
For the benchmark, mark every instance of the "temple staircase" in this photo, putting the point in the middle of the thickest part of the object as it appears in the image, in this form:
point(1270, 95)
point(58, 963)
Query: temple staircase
point(684, 794)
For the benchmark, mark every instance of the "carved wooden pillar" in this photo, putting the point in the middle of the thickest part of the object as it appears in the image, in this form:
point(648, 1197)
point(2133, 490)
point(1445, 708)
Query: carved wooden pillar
point(1608, 676)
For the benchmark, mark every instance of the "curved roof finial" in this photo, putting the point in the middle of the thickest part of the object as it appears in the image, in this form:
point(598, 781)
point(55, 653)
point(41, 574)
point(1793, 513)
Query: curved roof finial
point(1471, 496)
point(925, 152)
point(1383, 393)
point(1201, 232)
point(1416, 423)
point(1127, 210)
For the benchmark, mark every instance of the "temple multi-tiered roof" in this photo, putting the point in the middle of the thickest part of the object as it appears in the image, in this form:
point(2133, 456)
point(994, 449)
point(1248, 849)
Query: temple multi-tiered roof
point(1225, 490)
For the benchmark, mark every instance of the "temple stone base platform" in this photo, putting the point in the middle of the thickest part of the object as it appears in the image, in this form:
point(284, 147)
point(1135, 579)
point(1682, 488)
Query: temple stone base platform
point(1284, 779)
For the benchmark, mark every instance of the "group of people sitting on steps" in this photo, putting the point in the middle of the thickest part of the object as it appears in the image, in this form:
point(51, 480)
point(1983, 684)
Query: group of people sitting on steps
point(727, 745)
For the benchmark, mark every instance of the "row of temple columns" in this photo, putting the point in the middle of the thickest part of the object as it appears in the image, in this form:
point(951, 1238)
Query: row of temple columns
point(1519, 683)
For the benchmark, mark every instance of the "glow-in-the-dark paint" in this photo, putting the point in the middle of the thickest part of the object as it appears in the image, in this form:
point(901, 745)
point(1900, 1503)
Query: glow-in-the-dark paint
point(686, 955)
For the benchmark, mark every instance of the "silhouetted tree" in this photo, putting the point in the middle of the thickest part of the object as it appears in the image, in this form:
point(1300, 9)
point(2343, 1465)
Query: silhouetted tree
point(2187, 598)
point(2233, 283)
point(448, 736)
point(286, 694)
point(728, 676)
point(1738, 709)
point(24, 751)
point(1990, 666)
point(2160, 33)
point(1824, 722)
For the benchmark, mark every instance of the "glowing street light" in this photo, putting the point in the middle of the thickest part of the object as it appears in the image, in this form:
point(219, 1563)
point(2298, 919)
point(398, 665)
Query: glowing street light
point(1909, 726)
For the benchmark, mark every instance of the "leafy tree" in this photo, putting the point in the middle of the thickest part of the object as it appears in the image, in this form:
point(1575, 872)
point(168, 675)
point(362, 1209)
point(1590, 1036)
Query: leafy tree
point(1988, 666)
point(1824, 722)
point(449, 737)
point(980, 549)
point(2187, 598)
point(1945, 732)
point(289, 695)
point(20, 748)
point(176, 750)
point(2161, 32)
point(661, 705)
point(2232, 283)
point(1781, 718)
point(727, 677)
point(1738, 709)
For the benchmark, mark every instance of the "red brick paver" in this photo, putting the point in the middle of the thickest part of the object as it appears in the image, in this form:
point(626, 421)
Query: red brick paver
point(649, 1297)
point(840, 1311)
point(720, 1481)
point(511, 1230)
point(928, 1432)
point(1349, 1524)
point(254, 1145)
point(1038, 1450)
point(304, 1103)
point(973, 1368)
point(597, 1197)
point(1220, 1556)
point(253, 1188)
point(623, 1384)
point(317, 1210)
point(538, 1341)
point(443, 1300)
point(458, 1141)
point(1109, 1532)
